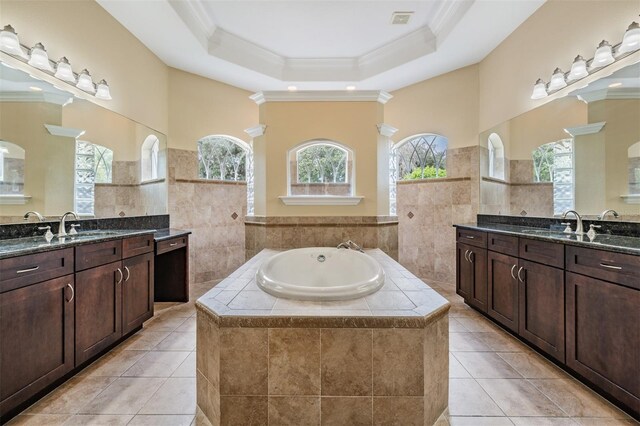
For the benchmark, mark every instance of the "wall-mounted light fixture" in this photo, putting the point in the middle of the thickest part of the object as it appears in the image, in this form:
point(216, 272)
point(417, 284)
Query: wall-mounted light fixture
point(37, 57)
point(604, 55)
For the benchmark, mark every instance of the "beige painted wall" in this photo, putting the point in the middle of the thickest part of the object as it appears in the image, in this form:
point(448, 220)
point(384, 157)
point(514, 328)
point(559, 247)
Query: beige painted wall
point(446, 105)
point(201, 107)
point(85, 33)
point(292, 123)
point(557, 32)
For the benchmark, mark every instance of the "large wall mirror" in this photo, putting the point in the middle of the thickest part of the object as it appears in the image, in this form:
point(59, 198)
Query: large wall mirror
point(578, 152)
point(61, 153)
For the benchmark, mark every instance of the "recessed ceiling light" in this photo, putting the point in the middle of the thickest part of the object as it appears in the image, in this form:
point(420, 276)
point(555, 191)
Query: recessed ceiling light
point(292, 88)
point(351, 87)
point(35, 88)
point(400, 18)
point(618, 84)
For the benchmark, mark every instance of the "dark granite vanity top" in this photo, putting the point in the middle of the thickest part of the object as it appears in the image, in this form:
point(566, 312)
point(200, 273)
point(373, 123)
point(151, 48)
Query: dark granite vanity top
point(614, 243)
point(36, 244)
point(168, 233)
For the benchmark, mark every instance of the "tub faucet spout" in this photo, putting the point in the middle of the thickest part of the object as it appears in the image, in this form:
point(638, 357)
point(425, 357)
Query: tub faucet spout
point(351, 246)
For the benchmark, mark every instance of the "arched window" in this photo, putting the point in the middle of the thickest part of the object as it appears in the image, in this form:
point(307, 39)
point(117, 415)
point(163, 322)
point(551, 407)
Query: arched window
point(553, 162)
point(321, 167)
point(222, 157)
point(634, 169)
point(496, 156)
point(103, 164)
point(422, 156)
point(150, 159)
point(11, 169)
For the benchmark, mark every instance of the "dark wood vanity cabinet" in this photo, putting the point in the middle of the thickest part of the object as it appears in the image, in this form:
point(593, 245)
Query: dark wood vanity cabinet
point(137, 291)
point(471, 267)
point(503, 289)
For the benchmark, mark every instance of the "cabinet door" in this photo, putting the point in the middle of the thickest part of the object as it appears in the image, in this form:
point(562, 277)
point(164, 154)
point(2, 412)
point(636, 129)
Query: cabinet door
point(464, 272)
point(603, 336)
point(36, 339)
point(478, 296)
point(502, 303)
point(137, 291)
point(98, 309)
point(541, 295)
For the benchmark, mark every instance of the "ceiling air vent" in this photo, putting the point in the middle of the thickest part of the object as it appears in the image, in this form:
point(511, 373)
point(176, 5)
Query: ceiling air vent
point(400, 18)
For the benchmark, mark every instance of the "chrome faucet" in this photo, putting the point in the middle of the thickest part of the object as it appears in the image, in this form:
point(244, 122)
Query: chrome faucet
point(62, 232)
point(34, 213)
point(579, 226)
point(604, 213)
point(350, 245)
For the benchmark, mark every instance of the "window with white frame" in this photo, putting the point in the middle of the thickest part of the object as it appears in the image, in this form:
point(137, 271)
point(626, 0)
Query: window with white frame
point(634, 169)
point(11, 169)
point(422, 156)
point(150, 158)
point(553, 162)
point(321, 167)
point(222, 158)
point(496, 156)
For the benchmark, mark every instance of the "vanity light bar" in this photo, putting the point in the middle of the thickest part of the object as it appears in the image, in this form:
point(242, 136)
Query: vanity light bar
point(37, 57)
point(604, 55)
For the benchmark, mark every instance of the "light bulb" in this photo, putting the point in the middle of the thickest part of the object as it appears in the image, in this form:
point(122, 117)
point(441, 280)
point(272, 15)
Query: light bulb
point(85, 83)
point(10, 43)
point(539, 90)
point(39, 58)
point(292, 88)
point(578, 69)
point(603, 56)
point(557, 80)
point(631, 39)
point(103, 90)
point(64, 71)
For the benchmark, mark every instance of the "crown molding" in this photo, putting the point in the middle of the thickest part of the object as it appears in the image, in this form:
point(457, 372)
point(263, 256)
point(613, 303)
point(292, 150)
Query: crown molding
point(50, 98)
point(67, 132)
point(587, 129)
point(610, 93)
point(322, 96)
point(386, 130)
point(256, 131)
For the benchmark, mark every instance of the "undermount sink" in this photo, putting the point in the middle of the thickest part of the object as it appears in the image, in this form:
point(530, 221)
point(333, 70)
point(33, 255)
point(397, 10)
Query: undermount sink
point(95, 234)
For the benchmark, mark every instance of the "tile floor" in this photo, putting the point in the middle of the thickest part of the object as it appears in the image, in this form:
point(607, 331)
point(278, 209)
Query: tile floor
point(150, 380)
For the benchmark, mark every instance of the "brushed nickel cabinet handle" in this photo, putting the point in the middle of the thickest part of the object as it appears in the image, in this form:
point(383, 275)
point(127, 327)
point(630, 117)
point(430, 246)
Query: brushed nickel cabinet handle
point(617, 268)
point(471, 237)
point(73, 293)
point(173, 244)
point(513, 269)
point(128, 273)
point(121, 276)
point(22, 271)
point(520, 277)
point(466, 252)
point(471, 258)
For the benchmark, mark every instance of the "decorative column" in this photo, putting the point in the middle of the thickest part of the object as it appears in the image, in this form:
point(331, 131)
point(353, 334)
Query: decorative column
point(387, 170)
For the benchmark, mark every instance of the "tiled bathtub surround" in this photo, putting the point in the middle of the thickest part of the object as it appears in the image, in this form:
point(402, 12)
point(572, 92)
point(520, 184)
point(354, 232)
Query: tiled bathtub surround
point(212, 211)
point(376, 360)
point(289, 232)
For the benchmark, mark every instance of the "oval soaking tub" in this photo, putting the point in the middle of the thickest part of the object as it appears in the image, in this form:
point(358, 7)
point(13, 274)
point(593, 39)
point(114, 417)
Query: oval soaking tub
point(320, 273)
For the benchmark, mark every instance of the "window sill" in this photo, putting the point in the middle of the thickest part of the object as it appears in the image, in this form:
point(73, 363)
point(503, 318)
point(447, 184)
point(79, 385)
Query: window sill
point(319, 200)
point(14, 199)
point(631, 198)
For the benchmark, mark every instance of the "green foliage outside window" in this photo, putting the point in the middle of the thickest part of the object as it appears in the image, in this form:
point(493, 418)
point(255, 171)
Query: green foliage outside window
point(428, 172)
point(322, 163)
point(221, 158)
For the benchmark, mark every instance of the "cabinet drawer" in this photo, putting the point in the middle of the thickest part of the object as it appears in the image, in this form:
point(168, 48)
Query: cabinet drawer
point(506, 244)
point(92, 255)
point(551, 254)
point(618, 268)
point(170, 245)
point(137, 245)
point(21, 271)
point(474, 238)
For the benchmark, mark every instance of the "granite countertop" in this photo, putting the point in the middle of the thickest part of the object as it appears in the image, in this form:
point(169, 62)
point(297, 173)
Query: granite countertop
point(168, 233)
point(404, 301)
point(29, 245)
point(614, 243)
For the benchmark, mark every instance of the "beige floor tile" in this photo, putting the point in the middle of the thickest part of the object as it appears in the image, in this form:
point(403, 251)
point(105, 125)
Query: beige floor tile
point(178, 341)
point(187, 368)
point(456, 370)
point(188, 326)
point(584, 421)
point(167, 322)
point(144, 340)
point(467, 342)
point(200, 419)
point(576, 399)
point(71, 396)
point(500, 341)
point(531, 365)
point(543, 421)
point(486, 365)
point(114, 363)
point(157, 364)
point(477, 324)
point(479, 421)
point(126, 395)
point(175, 396)
point(161, 420)
point(98, 420)
point(455, 326)
point(467, 398)
point(517, 397)
point(39, 420)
